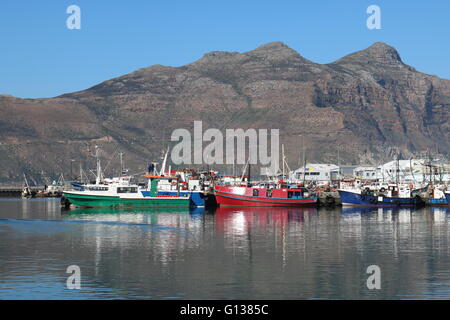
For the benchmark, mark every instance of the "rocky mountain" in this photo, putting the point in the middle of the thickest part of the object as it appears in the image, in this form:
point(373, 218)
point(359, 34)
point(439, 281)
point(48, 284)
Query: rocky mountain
point(368, 105)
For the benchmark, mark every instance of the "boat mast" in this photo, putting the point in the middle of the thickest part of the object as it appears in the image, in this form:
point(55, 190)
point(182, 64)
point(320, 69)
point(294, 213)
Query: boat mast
point(26, 181)
point(304, 161)
point(339, 167)
point(121, 163)
point(282, 151)
point(163, 166)
point(81, 173)
point(432, 175)
point(99, 176)
point(429, 165)
point(398, 169)
point(234, 168)
point(248, 175)
point(243, 171)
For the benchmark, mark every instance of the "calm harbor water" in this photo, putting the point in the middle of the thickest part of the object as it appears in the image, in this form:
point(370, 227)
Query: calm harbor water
point(232, 253)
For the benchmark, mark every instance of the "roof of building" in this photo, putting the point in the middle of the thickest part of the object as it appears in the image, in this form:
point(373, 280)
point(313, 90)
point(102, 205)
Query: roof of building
point(403, 163)
point(365, 168)
point(318, 167)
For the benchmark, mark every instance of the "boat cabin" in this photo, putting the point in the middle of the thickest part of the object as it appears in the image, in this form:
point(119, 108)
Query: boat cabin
point(284, 193)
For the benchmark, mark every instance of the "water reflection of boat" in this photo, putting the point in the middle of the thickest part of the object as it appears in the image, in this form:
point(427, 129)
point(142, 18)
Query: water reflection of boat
point(112, 210)
point(440, 214)
point(244, 217)
point(374, 210)
point(266, 210)
point(440, 209)
point(197, 212)
point(362, 210)
point(170, 217)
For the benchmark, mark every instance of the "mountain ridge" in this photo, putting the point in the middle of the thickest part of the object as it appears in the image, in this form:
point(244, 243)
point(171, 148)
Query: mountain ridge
point(369, 105)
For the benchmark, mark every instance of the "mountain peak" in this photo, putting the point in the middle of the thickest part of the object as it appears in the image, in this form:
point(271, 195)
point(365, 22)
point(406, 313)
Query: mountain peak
point(379, 53)
point(277, 52)
point(276, 48)
point(273, 45)
point(383, 51)
point(380, 44)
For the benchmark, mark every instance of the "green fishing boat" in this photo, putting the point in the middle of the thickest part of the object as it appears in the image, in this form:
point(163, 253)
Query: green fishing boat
point(122, 194)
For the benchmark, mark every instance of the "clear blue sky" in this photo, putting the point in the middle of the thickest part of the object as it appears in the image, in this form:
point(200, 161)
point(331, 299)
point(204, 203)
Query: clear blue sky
point(40, 57)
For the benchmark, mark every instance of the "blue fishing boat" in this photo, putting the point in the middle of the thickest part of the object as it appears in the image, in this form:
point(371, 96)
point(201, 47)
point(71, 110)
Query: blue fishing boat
point(193, 188)
point(184, 183)
point(442, 202)
point(393, 196)
point(437, 198)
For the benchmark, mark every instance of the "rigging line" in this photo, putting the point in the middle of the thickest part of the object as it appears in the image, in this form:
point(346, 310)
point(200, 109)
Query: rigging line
point(390, 176)
point(403, 171)
point(135, 174)
point(110, 159)
point(412, 170)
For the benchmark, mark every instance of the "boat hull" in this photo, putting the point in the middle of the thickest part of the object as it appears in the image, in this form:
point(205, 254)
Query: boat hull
point(96, 201)
point(349, 198)
point(447, 196)
point(443, 202)
point(226, 198)
point(196, 198)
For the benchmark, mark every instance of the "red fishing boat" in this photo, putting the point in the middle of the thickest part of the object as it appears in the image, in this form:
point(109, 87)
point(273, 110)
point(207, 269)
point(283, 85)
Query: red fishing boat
point(264, 196)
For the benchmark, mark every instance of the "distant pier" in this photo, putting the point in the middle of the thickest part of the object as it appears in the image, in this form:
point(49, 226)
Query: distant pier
point(15, 191)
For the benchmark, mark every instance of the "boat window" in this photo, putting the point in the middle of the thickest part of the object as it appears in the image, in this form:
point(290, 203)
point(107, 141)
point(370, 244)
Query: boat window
point(269, 193)
point(297, 194)
point(98, 188)
point(126, 189)
point(255, 192)
point(290, 194)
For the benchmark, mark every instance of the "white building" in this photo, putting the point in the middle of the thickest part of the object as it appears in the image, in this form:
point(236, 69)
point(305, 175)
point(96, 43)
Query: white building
point(414, 170)
point(408, 170)
point(314, 172)
point(365, 173)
